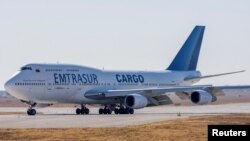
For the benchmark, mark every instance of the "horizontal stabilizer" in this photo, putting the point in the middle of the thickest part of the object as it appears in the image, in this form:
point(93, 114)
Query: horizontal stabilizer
point(209, 76)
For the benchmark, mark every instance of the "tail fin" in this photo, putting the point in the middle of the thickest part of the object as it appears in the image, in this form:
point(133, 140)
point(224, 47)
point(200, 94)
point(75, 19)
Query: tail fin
point(187, 57)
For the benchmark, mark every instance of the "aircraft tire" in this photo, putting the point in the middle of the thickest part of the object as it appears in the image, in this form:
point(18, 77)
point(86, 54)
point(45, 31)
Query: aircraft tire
point(31, 112)
point(116, 111)
point(28, 112)
point(86, 111)
point(109, 111)
point(121, 111)
point(105, 111)
point(101, 111)
point(78, 111)
point(82, 111)
point(131, 111)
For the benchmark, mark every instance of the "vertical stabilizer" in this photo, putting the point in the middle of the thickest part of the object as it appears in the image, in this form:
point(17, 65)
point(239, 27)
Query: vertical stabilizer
point(187, 57)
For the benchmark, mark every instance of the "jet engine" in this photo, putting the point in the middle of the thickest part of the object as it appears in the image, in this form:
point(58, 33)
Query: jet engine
point(136, 101)
point(202, 97)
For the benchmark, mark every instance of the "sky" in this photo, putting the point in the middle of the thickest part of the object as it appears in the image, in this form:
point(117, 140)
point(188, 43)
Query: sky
point(125, 34)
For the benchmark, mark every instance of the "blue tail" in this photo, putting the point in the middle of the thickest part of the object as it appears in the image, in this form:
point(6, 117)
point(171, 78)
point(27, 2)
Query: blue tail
point(187, 57)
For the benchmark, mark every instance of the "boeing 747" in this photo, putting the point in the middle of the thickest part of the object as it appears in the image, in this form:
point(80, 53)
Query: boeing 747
point(115, 91)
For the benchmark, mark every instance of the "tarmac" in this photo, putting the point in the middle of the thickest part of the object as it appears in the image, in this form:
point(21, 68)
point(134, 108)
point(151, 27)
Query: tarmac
point(64, 117)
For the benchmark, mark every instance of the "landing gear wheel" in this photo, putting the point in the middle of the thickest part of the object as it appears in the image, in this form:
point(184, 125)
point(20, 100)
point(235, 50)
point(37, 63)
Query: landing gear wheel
point(86, 111)
point(105, 111)
point(127, 110)
point(101, 111)
point(131, 111)
point(121, 111)
point(116, 111)
point(78, 111)
point(109, 111)
point(31, 112)
point(82, 111)
point(28, 112)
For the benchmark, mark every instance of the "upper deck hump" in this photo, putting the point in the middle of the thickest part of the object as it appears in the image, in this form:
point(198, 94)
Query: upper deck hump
point(61, 66)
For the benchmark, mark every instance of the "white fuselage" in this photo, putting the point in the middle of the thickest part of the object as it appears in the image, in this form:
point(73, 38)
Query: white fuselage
point(55, 83)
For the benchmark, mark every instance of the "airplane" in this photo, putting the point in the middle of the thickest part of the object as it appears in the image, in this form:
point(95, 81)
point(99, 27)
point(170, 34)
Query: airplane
point(40, 85)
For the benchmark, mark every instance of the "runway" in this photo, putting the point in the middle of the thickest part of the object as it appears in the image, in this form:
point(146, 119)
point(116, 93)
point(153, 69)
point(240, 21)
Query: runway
point(65, 117)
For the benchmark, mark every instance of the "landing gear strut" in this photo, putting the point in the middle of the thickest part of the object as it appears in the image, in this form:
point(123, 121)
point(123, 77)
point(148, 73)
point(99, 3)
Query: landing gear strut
point(83, 110)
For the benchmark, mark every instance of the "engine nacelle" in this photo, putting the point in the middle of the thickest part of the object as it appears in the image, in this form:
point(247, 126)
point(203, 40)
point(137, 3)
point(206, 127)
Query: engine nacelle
point(136, 101)
point(201, 97)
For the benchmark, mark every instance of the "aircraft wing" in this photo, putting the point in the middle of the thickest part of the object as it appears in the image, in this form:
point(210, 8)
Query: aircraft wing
point(157, 91)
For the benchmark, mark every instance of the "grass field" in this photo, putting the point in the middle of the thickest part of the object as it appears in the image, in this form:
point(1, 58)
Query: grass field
point(190, 129)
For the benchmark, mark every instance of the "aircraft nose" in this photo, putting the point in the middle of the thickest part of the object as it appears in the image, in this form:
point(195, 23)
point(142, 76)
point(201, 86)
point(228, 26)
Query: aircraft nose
point(9, 85)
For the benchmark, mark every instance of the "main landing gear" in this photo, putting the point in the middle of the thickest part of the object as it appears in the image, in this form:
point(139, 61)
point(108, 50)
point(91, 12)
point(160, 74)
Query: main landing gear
point(83, 110)
point(124, 110)
point(121, 110)
point(105, 111)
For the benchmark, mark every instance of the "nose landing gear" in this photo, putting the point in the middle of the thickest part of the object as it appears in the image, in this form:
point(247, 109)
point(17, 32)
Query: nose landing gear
point(31, 111)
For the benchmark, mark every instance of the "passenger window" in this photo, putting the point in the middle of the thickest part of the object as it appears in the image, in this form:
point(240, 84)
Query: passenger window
point(26, 68)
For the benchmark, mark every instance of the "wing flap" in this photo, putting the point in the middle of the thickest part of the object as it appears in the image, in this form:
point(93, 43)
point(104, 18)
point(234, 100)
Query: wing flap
point(159, 100)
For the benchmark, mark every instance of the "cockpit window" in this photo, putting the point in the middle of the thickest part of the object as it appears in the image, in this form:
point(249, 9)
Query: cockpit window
point(26, 68)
